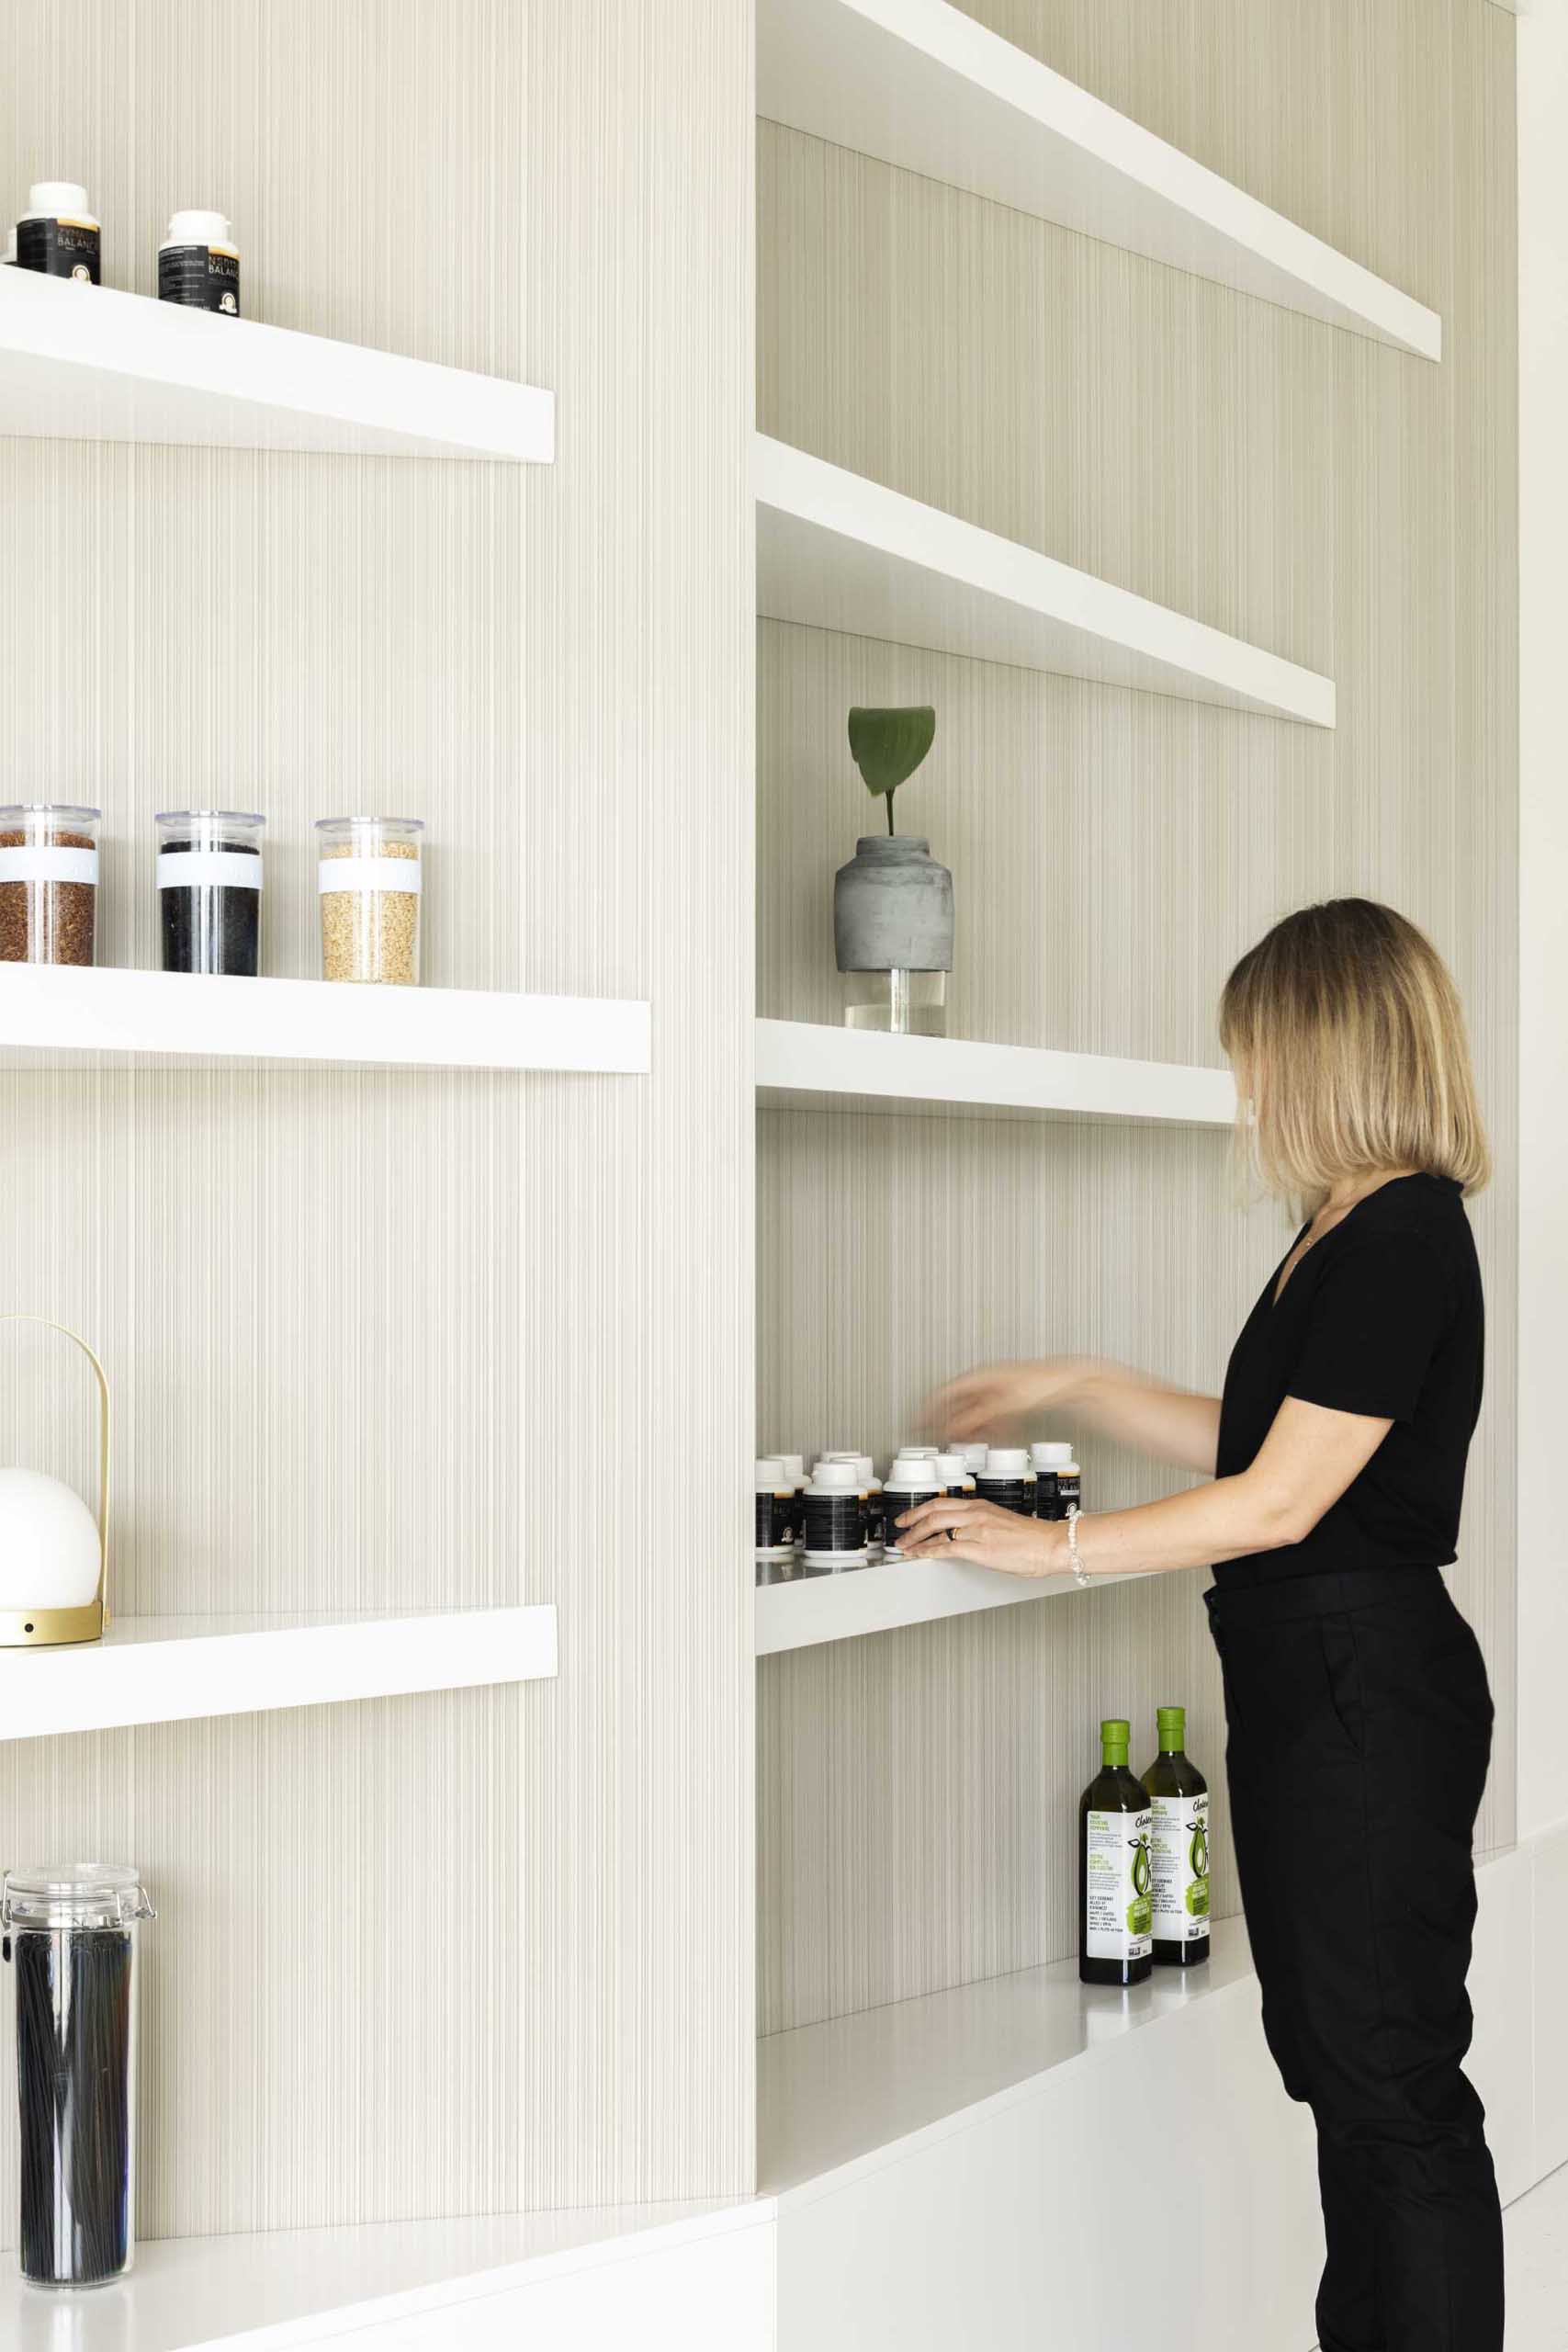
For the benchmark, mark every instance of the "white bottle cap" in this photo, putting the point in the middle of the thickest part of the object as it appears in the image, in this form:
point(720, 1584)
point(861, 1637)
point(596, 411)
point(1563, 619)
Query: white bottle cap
point(1051, 1455)
point(975, 1454)
point(863, 1462)
point(48, 199)
point(916, 1453)
point(795, 1466)
point(950, 1468)
point(913, 1473)
point(836, 1478)
point(771, 1475)
point(1007, 1462)
point(199, 229)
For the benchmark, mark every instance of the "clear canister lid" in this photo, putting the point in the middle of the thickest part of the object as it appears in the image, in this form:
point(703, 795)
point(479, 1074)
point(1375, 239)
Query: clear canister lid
point(74, 1894)
point(44, 822)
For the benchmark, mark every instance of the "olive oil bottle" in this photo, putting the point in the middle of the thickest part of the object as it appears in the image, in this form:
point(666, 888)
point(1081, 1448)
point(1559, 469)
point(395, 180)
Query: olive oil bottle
point(1178, 1847)
point(1114, 1870)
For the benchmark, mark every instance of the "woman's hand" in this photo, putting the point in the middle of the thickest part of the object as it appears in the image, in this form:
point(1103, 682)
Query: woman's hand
point(1168, 1424)
point(959, 1528)
point(979, 1402)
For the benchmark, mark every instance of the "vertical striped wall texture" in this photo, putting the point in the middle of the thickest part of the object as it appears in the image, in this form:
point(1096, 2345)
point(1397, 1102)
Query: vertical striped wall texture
point(418, 1340)
point(1333, 500)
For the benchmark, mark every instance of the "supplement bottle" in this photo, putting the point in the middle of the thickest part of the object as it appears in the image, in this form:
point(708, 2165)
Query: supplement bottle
point(870, 1490)
point(198, 264)
point(775, 1515)
point(954, 1475)
point(912, 1480)
point(835, 1519)
point(1058, 1485)
point(794, 1471)
point(57, 235)
point(1178, 1847)
point(1007, 1480)
point(1115, 1916)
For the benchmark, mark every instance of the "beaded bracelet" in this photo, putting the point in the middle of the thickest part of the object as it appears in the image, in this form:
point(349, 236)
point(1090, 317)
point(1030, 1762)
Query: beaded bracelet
point(1079, 1572)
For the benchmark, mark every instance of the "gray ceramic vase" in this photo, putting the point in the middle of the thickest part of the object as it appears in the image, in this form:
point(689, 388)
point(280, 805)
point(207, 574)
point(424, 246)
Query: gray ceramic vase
point(892, 908)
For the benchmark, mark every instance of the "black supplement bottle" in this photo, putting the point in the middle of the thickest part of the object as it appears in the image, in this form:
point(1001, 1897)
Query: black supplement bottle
point(1178, 1847)
point(1114, 1870)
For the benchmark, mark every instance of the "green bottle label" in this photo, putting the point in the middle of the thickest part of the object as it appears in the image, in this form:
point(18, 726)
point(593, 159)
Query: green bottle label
point(1120, 1872)
point(1178, 1847)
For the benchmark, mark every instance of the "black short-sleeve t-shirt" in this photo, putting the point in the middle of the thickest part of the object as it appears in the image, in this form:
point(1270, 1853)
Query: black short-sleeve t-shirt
point(1382, 1317)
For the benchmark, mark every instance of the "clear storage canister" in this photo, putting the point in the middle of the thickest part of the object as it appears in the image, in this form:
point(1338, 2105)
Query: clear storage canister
point(49, 883)
point(210, 890)
point(368, 877)
point(71, 1935)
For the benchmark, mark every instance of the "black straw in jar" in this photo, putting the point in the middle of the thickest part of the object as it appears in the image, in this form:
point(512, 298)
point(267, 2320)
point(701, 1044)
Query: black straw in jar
point(74, 2090)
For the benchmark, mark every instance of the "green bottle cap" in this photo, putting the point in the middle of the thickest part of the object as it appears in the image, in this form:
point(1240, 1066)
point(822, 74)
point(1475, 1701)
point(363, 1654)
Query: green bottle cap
point(1114, 1735)
point(1172, 1722)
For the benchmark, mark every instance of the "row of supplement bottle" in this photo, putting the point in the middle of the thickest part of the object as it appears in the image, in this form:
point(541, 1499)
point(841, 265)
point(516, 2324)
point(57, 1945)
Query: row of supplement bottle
point(58, 236)
point(843, 1517)
point(208, 871)
point(1142, 1859)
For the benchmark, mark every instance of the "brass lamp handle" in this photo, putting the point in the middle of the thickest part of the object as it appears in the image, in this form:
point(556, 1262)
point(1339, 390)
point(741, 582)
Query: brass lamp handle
point(65, 1332)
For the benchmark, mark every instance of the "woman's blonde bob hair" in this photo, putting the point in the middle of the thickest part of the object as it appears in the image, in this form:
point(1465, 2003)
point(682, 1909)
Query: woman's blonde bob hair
point(1346, 1029)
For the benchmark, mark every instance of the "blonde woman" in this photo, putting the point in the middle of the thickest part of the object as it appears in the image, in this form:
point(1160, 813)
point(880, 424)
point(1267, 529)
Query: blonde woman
point(1359, 1714)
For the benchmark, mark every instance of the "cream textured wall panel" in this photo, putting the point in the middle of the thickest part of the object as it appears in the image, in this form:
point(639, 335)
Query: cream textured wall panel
point(1344, 506)
point(412, 1341)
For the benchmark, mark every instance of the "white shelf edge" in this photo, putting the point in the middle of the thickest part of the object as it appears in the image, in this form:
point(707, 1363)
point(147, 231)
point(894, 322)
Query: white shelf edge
point(921, 85)
point(429, 2282)
point(92, 363)
point(895, 1593)
point(48, 1010)
point(838, 551)
point(812, 1062)
point(158, 1670)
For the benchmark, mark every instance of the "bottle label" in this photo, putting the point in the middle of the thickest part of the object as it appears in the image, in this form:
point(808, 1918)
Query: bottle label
point(1179, 1855)
point(1070, 1492)
point(875, 1520)
point(205, 277)
point(1008, 1494)
point(30, 865)
point(835, 1522)
point(233, 869)
point(895, 1503)
point(1047, 1501)
point(1121, 1915)
point(59, 248)
point(776, 1521)
point(337, 876)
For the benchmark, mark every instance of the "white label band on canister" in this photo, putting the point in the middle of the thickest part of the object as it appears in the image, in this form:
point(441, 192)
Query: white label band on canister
point(236, 869)
point(334, 874)
point(30, 865)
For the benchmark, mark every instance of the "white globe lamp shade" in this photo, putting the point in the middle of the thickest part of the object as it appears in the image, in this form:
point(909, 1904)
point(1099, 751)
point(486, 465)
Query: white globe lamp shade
point(49, 1544)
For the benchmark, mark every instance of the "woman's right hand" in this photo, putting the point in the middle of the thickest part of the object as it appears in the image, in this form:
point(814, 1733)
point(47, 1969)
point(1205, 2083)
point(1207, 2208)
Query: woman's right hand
point(980, 1402)
point(1168, 1424)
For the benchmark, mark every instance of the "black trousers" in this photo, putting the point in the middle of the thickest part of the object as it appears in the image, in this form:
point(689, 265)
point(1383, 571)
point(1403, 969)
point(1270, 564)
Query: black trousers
point(1361, 1726)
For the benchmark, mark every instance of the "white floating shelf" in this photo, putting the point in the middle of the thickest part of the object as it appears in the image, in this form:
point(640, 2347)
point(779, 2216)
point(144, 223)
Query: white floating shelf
point(835, 551)
point(864, 2091)
point(812, 1609)
point(173, 1670)
point(413, 2284)
point(803, 1063)
point(84, 363)
point(921, 85)
point(52, 1014)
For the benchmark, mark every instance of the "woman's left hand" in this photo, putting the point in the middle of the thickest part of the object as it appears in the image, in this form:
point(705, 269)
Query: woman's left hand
point(991, 1537)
